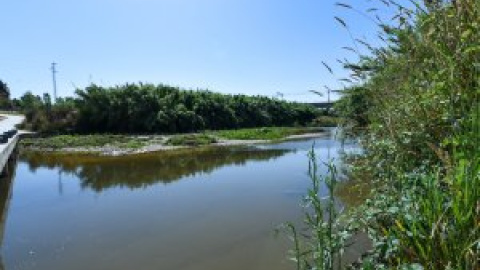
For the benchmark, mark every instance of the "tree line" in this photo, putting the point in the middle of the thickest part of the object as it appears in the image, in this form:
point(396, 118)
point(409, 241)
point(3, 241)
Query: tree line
point(149, 108)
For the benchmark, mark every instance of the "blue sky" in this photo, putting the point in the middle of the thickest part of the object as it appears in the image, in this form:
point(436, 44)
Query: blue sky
point(230, 46)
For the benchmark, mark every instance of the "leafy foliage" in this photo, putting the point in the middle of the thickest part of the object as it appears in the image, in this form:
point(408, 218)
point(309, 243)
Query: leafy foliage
point(148, 108)
point(354, 106)
point(418, 98)
point(45, 116)
point(4, 96)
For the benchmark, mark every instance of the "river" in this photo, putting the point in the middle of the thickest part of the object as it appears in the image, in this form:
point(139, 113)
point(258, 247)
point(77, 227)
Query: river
point(208, 208)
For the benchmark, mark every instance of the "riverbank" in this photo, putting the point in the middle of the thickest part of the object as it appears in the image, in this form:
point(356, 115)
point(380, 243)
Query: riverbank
point(115, 145)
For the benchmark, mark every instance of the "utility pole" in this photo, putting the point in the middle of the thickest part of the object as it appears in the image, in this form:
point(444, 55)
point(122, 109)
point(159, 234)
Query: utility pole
point(54, 71)
point(328, 93)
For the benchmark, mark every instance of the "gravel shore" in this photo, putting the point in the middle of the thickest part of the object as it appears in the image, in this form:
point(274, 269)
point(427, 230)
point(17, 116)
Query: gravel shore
point(155, 146)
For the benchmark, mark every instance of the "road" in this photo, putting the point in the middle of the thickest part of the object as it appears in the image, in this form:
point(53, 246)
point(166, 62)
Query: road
point(10, 121)
point(7, 123)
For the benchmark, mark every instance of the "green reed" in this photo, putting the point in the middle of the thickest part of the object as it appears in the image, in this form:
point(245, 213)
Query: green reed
point(418, 99)
point(320, 244)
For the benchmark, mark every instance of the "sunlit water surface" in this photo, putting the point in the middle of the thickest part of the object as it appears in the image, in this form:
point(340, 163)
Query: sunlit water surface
point(203, 209)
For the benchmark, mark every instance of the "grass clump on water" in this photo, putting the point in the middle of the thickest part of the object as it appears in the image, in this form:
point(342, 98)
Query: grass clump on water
point(72, 141)
point(265, 133)
point(191, 140)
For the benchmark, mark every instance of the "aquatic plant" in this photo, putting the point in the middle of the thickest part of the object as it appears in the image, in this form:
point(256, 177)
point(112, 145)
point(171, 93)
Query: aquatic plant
point(321, 241)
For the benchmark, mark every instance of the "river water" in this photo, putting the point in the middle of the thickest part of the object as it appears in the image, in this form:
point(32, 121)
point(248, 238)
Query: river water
point(202, 209)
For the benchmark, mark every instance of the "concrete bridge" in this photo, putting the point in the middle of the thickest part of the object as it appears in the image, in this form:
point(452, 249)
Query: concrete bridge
point(8, 122)
point(321, 105)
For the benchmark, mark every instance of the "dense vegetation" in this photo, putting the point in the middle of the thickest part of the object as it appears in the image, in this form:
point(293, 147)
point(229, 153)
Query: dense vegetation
point(417, 102)
point(265, 133)
point(5, 102)
point(43, 115)
point(147, 108)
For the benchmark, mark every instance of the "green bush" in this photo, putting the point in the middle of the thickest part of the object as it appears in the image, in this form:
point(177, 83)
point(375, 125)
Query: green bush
point(147, 108)
point(191, 140)
point(418, 99)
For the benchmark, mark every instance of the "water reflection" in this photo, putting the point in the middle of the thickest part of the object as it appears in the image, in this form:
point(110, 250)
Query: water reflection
point(6, 183)
point(218, 214)
point(100, 173)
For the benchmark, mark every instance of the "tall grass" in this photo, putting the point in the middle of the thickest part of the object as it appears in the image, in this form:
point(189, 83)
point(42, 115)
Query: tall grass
point(320, 244)
point(421, 139)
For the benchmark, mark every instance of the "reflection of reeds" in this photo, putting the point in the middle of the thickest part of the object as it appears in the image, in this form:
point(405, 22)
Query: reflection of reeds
point(99, 173)
point(6, 185)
